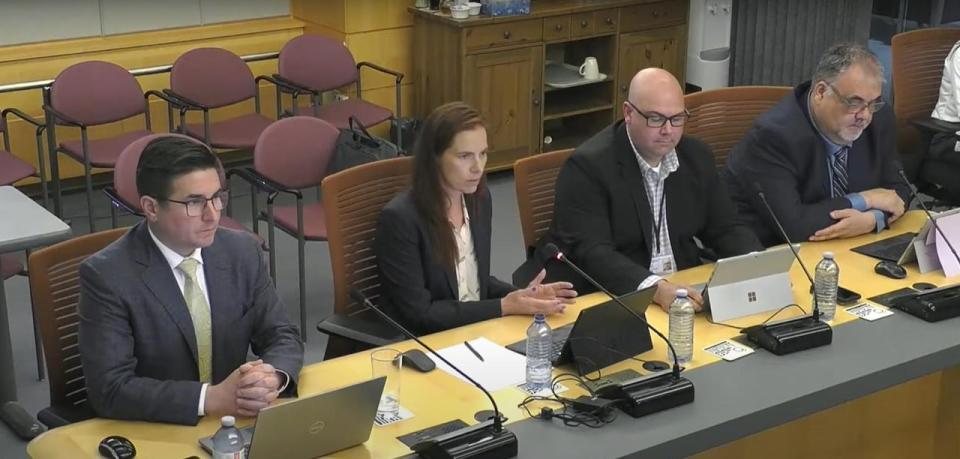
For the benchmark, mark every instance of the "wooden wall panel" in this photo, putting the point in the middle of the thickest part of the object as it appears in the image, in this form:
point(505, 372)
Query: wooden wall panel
point(369, 15)
point(43, 61)
point(894, 423)
point(370, 46)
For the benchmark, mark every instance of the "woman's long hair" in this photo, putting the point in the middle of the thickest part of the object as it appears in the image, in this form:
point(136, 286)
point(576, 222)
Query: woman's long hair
point(436, 135)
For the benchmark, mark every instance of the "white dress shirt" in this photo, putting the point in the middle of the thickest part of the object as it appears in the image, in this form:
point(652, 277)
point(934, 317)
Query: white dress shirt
point(468, 280)
point(653, 179)
point(174, 259)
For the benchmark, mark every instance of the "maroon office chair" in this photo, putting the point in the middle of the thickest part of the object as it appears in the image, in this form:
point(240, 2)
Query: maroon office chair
point(291, 155)
point(12, 168)
point(125, 196)
point(208, 78)
point(314, 64)
point(89, 94)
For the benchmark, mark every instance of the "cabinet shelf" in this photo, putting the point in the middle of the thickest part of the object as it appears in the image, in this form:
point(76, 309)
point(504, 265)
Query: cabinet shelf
point(579, 108)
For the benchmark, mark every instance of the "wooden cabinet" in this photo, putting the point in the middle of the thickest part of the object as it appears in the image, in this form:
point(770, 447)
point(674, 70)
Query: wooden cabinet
point(498, 65)
point(665, 48)
point(505, 87)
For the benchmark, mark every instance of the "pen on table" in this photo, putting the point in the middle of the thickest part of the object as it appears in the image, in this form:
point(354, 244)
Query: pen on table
point(467, 343)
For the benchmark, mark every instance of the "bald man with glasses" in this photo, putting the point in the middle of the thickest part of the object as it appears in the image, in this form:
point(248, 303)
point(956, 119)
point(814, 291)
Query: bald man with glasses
point(633, 200)
point(824, 156)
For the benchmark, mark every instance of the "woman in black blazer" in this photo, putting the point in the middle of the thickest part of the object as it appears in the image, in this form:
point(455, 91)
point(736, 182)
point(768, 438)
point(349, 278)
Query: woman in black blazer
point(433, 242)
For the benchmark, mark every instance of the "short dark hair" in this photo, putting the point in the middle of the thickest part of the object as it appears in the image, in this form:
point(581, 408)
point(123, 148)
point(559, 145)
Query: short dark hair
point(166, 158)
point(838, 58)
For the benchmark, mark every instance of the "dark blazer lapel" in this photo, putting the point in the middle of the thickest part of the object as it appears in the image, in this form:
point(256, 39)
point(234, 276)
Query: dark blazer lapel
point(633, 180)
point(221, 293)
point(159, 279)
point(674, 190)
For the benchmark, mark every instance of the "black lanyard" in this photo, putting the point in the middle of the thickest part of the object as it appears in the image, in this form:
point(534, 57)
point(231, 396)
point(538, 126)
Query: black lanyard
point(658, 222)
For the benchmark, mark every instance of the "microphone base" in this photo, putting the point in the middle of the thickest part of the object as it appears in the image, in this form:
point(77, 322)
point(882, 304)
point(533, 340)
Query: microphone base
point(932, 307)
point(650, 395)
point(791, 336)
point(477, 441)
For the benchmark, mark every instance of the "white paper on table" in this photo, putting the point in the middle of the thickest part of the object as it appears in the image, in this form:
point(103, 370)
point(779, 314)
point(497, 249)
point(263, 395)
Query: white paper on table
point(500, 367)
point(950, 225)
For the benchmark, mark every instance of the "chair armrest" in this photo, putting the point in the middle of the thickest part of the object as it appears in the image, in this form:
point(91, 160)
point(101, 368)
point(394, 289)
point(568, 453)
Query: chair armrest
point(932, 125)
point(396, 74)
point(64, 118)
point(19, 114)
point(363, 327)
point(183, 102)
point(262, 183)
point(281, 83)
point(119, 202)
point(166, 97)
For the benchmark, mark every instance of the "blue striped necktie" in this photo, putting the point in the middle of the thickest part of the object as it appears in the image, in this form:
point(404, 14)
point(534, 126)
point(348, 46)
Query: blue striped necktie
point(838, 165)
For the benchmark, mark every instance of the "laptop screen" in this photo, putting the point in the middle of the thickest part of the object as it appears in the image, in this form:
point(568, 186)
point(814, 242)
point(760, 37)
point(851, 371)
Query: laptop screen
point(606, 334)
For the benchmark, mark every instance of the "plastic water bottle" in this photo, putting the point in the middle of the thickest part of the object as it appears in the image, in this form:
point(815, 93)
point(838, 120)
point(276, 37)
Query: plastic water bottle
point(681, 326)
point(228, 441)
point(825, 282)
point(539, 348)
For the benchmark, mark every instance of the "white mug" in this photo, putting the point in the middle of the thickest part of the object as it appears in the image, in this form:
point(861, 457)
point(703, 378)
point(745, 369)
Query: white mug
point(589, 69)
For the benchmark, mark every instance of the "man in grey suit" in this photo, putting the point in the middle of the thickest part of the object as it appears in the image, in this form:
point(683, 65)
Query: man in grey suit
point(169, 311)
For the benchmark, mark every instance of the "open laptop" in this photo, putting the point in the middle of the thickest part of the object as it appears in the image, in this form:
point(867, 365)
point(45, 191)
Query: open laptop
point(602, 335)
point(901, 248)
point(315, 425)
point(749, 284)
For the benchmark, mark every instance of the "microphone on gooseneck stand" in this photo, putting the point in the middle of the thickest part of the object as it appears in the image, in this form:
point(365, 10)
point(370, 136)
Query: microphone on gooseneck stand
point(486, 439)
point(643, 395)
point(795, 334)
point(936, 304)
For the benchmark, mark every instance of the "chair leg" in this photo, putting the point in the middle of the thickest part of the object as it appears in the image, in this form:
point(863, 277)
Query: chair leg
point(88, 178)
point(271, 239)
point(113, 216)
point(303, 288)
point(37, 342)
point(301, 243)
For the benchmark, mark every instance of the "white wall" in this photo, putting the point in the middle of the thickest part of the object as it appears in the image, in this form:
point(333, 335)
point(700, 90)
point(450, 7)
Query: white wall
point(26, 21)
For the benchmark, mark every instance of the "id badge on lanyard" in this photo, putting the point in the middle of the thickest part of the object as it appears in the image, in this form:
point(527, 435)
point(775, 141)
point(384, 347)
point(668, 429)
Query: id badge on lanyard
point(660, 264)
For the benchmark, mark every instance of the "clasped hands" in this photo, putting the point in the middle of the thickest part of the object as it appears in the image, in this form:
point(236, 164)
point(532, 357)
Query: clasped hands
point(249, 389)
point(852, 222)
point(539, 298)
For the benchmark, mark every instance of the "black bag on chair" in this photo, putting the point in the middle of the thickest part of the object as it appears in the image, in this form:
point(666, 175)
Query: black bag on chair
point(355, 146)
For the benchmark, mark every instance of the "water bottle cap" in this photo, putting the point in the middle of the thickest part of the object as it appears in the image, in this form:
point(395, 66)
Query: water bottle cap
point(228, 421)
point(828, 255)
point(681, 293)
point(539, 317)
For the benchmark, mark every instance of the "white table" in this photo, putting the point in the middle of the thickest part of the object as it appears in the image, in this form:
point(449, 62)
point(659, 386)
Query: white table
point(24, 225)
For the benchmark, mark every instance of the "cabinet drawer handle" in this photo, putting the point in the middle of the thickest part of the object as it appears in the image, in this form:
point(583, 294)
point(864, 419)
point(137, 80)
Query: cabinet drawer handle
point(558, 27)
point(609, 21)
point(656, 13)
point(648, 53)
point(536, 101)
point(583, 23)
point(506, 35)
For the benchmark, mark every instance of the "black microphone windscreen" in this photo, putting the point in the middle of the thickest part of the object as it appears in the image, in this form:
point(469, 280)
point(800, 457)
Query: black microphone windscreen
point(757, 189)
point(551, 251)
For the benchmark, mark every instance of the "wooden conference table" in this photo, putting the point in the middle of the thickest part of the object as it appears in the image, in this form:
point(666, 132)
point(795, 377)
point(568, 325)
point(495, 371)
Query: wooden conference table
point(889, 388)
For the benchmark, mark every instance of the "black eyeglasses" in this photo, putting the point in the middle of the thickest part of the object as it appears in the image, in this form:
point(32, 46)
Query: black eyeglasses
point(657, 120)
point(195, 206)
point(856, 104)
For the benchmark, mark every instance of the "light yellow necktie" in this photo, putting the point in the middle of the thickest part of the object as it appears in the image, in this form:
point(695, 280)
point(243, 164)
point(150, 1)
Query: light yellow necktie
point(200, 313)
